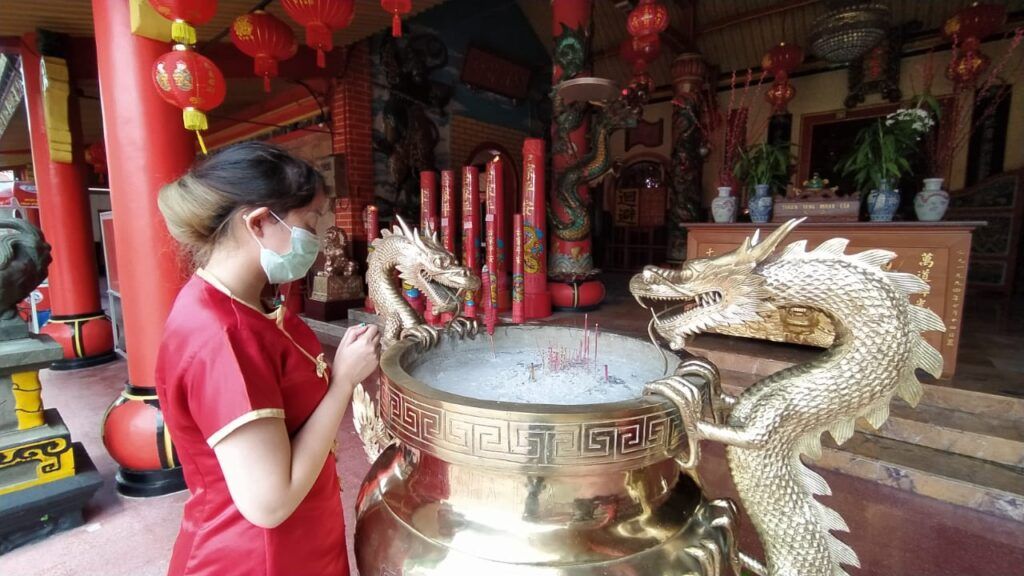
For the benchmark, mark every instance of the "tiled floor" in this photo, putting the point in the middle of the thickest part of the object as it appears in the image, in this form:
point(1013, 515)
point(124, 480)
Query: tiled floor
point(896, 533)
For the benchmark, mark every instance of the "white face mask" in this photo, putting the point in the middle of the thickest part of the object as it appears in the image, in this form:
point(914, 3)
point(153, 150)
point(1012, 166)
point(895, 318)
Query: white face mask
point(288, 267)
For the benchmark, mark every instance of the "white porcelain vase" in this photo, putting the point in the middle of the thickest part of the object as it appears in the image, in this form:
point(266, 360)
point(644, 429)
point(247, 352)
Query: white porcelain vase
point(723, 207)
point(931, 203)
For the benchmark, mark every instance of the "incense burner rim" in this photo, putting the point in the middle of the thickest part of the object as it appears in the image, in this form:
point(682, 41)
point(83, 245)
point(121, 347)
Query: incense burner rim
point(549, 438)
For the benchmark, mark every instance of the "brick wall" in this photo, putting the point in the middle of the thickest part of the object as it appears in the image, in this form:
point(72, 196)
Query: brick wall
point(351, 117)
point(467, 134)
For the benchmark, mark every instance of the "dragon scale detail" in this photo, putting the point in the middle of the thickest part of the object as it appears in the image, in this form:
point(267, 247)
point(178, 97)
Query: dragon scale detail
point(572, 222)
point(769, 426)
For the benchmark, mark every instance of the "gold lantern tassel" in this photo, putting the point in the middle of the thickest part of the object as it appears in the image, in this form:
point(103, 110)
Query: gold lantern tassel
point(183, 33)
point(195, 120)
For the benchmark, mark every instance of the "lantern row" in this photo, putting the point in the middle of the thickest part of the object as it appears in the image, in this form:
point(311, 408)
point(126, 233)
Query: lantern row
point(192, 82)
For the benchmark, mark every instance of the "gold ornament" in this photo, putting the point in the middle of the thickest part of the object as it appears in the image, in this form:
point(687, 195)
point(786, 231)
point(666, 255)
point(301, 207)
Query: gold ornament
point(769, 426)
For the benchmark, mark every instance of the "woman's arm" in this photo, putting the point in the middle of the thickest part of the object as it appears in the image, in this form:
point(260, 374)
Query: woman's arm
point(268, 474)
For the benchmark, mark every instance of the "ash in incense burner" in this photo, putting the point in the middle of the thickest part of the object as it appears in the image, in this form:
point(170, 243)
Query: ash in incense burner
point(543, 365)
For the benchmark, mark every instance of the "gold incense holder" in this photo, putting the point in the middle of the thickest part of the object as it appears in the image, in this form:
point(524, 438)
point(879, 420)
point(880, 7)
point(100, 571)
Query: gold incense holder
point(474, 486)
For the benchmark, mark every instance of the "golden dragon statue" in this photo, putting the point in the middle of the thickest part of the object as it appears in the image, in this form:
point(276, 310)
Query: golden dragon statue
point(420, 260)
point(769, 426)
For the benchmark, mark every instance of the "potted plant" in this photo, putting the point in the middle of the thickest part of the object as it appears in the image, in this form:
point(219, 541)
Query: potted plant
point(880, 157)
point(763, 167)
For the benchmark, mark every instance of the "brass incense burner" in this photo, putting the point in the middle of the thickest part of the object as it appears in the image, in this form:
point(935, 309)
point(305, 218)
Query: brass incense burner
point(477, 486)
point(470, 479)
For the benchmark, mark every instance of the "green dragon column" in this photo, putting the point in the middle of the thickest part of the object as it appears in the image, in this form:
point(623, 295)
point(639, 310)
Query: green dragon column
point(571, 264)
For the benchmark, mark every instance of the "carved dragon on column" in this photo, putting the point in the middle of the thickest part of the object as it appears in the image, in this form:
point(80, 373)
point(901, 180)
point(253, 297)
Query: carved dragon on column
point(768, 427)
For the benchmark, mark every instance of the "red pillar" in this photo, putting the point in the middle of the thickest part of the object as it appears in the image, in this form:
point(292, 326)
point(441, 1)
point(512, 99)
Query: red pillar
point(471, 232)
point(428, 225)
point(77, 322)
point(534, 209)
point(495, 205)
point(146, 148)
point(574, 285)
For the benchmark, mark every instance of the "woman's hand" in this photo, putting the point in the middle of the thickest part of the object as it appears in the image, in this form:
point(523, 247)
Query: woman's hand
point(357, 355)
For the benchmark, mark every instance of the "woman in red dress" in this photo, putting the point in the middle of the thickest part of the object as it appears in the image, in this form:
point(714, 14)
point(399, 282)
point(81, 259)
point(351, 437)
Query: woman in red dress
point(251, 404)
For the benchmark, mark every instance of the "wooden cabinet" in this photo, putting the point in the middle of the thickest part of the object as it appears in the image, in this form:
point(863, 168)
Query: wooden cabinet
point(937, 252)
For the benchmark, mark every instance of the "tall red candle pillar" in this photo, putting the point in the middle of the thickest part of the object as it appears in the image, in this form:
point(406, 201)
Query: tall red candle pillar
point(146, 148)
point(518, 287)
point(448, 210)
point(491, 285)
point(371, 221)
point(428, 225)
point(571, 264)
point(448, 217)
point(537, 298)
point(496, 215)
point(77, 322)
point(471, 231)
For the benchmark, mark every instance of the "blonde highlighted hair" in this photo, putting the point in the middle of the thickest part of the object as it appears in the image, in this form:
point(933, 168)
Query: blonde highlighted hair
point(198, 207)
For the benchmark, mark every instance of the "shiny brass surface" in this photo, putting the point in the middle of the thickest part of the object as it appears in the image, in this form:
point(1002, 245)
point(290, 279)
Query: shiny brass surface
point(482, 487)
point(420, 515)
point(466, 486)
point(768, 427)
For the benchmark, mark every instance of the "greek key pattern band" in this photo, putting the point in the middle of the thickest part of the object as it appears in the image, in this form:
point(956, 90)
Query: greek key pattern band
point(649, 436)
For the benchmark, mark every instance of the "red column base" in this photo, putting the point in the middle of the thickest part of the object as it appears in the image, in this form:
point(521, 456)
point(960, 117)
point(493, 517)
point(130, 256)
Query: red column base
point(135, 436)
point(87, 339)
point(576, 296)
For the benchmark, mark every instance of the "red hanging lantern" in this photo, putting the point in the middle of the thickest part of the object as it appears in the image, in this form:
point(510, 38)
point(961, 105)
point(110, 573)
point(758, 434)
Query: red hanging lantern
point(968, 64)
point(96, 156)
point(397, 8)
point(639, 52)
point(267, 39)
point(968, 27)
point(630, 56)
point(320, 18)
point(649, 17)
point(779, 95)
point(977, 20)
point(191, 82)
point(184, 16)
point(782, 59)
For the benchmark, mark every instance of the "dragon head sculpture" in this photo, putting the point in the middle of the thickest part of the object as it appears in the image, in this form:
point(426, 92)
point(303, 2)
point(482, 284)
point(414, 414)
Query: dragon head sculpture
point(708, 292)
point(422, 262)
point(426, 265)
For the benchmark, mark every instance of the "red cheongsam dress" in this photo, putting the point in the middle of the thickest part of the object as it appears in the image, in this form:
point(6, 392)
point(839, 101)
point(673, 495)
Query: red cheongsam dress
point(222, 364)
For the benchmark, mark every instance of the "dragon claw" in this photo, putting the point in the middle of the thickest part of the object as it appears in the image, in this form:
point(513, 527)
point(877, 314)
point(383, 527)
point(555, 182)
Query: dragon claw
point(423, 334)
point(464, 326)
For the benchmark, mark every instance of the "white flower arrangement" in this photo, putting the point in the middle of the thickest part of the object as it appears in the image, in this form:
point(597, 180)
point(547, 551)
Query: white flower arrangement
point(916, 119)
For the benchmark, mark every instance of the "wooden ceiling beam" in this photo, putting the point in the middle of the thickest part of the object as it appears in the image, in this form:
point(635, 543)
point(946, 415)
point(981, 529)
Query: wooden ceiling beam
point(776, 8)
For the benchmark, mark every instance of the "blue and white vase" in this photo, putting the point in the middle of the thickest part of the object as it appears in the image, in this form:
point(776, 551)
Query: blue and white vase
point(761, 204)
point(883, 202)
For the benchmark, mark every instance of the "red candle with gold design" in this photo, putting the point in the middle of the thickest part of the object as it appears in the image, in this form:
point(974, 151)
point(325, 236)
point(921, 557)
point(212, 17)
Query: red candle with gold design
point(496, 214)
point(491, 305)
point(428, 225)
point(371, 221)
point(448, 218)
point(537, 298)
point(471, 230)
point(518, 288)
